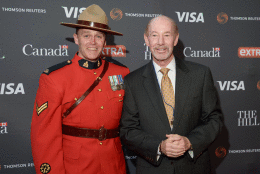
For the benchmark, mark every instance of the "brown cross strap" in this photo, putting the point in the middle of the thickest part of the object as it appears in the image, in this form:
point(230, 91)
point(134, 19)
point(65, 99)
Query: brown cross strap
point(96, 82)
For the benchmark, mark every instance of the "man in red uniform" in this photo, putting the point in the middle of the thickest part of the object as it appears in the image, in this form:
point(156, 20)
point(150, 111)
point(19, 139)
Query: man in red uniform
point(72, 133)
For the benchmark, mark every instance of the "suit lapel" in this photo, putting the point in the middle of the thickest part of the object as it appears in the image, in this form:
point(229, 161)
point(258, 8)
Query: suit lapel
point(153, 91)
point(183, 81)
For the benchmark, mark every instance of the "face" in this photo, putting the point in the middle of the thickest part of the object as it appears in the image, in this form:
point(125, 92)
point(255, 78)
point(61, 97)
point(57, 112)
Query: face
point(161, 39)
point(90, 43)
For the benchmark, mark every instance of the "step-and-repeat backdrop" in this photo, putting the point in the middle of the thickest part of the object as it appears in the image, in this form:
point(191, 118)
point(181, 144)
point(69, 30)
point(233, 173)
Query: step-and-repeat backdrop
point(223, 35)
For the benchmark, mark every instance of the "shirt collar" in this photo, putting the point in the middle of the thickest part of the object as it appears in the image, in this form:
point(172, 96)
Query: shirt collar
point(171, 66)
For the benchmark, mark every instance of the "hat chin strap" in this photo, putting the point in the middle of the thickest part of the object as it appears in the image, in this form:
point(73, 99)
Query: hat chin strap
point(93, 24)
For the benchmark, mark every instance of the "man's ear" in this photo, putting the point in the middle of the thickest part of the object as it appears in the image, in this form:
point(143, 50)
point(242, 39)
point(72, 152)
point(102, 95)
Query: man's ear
point(146, 40)
point(176, 40)
point(76, 38)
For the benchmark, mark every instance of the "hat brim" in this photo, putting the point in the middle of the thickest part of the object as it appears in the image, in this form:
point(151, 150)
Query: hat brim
point(92, 28)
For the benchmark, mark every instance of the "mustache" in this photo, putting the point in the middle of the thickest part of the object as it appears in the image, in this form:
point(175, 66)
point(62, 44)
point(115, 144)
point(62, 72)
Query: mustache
point(161, 47)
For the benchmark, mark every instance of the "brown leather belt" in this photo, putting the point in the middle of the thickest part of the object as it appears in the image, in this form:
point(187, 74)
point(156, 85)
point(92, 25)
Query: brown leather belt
point(100, 134)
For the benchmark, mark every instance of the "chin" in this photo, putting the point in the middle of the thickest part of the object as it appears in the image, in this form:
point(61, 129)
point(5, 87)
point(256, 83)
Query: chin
point(161, 58)
point(93, 57)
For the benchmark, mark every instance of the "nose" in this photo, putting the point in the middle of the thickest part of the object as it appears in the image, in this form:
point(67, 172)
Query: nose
point(93, 40)
point(161, 40)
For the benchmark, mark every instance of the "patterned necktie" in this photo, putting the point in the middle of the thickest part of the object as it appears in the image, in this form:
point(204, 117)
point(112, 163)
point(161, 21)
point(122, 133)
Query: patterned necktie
point(168, 95)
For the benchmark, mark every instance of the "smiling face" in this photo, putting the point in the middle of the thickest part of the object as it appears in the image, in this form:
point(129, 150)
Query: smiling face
point(90, 43)
point(161, 38)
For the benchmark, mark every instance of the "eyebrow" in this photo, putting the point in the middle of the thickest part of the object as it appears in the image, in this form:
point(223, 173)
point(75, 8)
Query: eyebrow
point(87, 32)
point(157, 32)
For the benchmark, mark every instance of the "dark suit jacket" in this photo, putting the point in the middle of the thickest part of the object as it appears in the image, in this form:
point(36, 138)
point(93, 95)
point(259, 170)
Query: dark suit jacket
point(144, 122)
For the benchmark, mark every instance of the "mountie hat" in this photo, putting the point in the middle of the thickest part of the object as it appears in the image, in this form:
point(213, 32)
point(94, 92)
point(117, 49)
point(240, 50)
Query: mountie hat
point(93, 18)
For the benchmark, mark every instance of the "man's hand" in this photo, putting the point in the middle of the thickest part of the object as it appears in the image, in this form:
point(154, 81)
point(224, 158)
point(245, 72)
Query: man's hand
point(175, 145)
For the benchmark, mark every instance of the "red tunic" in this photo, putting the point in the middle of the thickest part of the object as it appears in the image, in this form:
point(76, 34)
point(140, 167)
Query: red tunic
point(102, 107)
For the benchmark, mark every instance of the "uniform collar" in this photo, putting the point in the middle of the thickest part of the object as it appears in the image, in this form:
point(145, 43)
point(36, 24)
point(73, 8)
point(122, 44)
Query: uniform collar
point(88, 64)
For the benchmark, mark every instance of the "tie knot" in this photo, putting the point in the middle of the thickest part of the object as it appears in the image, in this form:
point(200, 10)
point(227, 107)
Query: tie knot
point(164, 71)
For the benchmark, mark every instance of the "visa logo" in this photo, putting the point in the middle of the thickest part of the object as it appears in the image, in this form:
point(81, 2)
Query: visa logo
point(190, 17)
point(231, 85)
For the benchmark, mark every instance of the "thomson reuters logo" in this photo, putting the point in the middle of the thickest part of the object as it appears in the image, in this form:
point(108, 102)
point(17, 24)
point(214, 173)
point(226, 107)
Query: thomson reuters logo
point(116, 14)
point(221, 152)
point(114, 51)
point(249, 52)
point(222, 18)
point(258, 85)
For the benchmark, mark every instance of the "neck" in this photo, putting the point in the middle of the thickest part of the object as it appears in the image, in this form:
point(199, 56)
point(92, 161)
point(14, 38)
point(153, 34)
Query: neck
point(163, 63)
point(95, 60)
point(90, 60)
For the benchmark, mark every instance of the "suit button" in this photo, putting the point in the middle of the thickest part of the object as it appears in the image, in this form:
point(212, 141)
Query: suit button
point(120, 95)
point(102, 107)
point(99, 90)
point(95, 73)
point(75, 99)
point(120, 100)
point(100, 143)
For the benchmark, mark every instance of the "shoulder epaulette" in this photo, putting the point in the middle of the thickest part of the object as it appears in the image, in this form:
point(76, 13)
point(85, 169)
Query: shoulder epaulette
point(57, 66)
point(109, 59)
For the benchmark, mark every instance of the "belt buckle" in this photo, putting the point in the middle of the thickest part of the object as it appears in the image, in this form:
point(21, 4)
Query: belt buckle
point(102, 134)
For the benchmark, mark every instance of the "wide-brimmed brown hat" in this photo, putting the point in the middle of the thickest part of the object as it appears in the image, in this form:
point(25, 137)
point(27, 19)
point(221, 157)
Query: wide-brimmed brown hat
point(93, 18)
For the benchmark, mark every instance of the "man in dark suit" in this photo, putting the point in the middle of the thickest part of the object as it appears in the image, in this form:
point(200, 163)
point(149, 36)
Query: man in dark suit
point(171, 112)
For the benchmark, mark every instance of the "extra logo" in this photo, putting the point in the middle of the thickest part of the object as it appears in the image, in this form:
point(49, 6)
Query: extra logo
point(114, 51)
point(189, 52)
point(231, 85)
point(116, 14)
point(11, 88)
point(190, 17)
point(3, 128)
point(29, 50)
point(247, 118)
point(249, 52)
point(222, 18)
